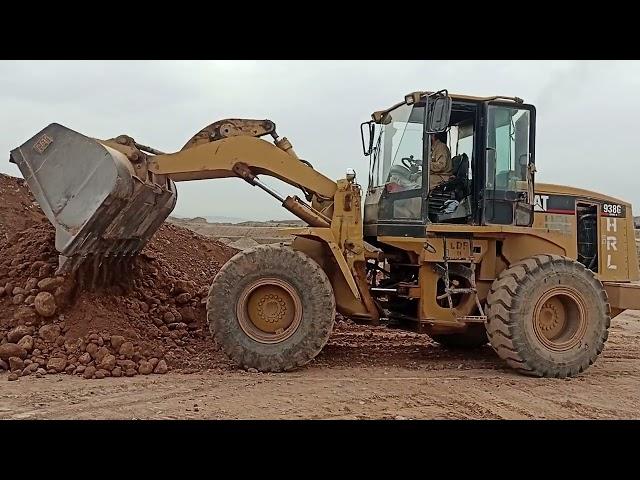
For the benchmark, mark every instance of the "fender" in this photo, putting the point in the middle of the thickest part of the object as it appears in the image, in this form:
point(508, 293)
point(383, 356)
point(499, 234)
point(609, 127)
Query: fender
point(349, 279)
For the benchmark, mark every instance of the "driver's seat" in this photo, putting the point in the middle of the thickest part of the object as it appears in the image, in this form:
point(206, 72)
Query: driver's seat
point(461, 167)
point(458, 184)
point(456, 188)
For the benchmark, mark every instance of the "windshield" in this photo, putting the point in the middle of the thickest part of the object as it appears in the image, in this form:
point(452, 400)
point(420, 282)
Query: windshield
point(398, 143)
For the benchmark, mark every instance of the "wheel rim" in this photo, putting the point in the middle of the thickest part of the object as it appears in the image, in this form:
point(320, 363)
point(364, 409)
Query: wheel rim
point(269, 310)
point(559, 319)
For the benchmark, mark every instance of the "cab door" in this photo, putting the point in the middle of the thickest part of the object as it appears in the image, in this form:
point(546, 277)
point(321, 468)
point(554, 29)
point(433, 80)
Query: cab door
point(509, 164)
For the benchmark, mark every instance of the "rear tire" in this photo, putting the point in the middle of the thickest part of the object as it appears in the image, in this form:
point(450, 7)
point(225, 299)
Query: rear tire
point(271, 308)
point(474, 337)
point(548, 316)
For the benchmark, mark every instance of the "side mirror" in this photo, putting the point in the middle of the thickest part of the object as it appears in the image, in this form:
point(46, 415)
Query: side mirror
point(367, 137)
point(438, 112)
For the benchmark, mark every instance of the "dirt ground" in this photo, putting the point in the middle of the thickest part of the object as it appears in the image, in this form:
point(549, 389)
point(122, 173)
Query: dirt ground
point(362, 373)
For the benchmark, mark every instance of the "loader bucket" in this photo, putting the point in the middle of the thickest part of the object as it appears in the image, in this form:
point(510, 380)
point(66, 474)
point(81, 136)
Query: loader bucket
point(91, 195)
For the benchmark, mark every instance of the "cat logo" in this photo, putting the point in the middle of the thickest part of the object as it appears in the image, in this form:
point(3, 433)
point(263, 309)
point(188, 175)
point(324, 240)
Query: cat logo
point(43, 142)
point(540, 204)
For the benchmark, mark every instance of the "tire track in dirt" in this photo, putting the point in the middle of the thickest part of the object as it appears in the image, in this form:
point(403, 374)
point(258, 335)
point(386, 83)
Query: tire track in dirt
point(397, 377)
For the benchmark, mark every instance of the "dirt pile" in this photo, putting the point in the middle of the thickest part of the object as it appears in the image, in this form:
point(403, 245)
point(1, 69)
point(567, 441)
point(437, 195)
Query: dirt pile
point(150, 323)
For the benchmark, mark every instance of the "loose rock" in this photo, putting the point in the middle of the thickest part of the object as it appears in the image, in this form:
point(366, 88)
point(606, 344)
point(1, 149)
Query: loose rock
point(50, 284)
point(161, 368)
point(32, 283)
point(45, 304)
point(24, 315)
point(9, 350)
point(183, 298)
point(101, 353)
point(177, 326)
point(57, 364)
point(26, 342)
point(49, 333)
point(92, 349)
point(17, 333)
point(16, 363)
point(108, 362)
point(127, 349)
point(126, 364)
point(145, 368)
point(89, 372)
point(117, 341)
point(85, 358)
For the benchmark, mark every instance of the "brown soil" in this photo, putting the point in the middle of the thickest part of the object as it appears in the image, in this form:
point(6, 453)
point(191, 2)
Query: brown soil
point(159, 310)
point(18, 209)
point(363, 373)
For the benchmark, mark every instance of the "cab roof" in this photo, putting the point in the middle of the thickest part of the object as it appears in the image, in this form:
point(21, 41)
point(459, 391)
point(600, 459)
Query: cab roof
point(454, 96)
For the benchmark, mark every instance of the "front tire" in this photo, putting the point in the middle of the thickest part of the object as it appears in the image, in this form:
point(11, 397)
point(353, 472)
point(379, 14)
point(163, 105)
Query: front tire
point(548, 316)
point(271, 308)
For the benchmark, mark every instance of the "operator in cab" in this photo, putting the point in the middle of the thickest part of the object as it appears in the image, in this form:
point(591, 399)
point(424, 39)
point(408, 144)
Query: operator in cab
point(441, 167)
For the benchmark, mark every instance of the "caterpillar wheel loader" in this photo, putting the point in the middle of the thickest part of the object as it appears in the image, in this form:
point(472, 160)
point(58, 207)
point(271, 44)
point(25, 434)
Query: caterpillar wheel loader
point(484, 256)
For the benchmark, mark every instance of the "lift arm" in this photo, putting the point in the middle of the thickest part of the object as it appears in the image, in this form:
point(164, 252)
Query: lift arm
point(216, 160)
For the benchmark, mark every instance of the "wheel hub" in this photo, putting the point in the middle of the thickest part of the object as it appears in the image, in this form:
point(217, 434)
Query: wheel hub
point(552, 317)
point(269, 310)
point(559, 319)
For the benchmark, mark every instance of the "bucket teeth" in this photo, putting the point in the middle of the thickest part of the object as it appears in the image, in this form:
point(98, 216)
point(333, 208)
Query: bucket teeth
point(104, 277)
point(98, 272)
point(95, 272)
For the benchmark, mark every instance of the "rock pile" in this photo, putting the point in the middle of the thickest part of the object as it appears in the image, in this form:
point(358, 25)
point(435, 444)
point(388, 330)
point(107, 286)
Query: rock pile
point(151, 322)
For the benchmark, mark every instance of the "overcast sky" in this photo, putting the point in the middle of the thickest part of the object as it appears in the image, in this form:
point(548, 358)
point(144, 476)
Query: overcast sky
point(584, 127)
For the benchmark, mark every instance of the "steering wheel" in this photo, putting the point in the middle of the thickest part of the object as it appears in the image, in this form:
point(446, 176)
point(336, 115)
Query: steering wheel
point(411, 162)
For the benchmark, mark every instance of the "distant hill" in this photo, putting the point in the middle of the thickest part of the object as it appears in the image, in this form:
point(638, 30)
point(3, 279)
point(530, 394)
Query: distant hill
point(211, 219)
point(222, 219)
point(239, 234)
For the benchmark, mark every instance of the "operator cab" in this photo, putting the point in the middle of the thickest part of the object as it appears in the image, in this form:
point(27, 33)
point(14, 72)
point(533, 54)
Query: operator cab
point(489, 179)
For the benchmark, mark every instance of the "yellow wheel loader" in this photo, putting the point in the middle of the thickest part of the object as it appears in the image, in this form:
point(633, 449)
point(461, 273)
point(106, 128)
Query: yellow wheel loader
point(480, 255)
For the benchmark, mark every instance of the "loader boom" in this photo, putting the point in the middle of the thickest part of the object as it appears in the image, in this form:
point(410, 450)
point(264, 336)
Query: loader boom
point(217, 159)
point(334, 212)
